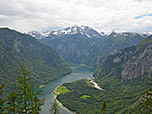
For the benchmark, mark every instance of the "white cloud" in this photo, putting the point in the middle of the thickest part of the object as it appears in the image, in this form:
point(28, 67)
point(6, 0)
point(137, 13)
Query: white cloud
point(103, 15)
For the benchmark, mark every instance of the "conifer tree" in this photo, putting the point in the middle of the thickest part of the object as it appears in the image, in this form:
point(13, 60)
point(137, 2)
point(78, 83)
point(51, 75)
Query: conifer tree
point(36, 104)
point(103, 109)
point(2, 100)
point(54, 108)
point(12, 102)
point(27, 96)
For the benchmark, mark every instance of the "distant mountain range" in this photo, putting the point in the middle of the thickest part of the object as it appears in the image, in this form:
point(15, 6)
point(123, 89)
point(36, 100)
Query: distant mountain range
point(83, 30)
point(18, 49)
point(84, 45)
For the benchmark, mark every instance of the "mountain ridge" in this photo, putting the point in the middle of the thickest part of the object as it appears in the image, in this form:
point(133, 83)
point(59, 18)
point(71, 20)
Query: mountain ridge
point(73, 30)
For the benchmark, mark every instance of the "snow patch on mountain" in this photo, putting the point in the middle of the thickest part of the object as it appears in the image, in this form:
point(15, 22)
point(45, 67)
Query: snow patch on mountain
point(38, 35)
point(148, 33)
point(88, 35)
point(81, 30)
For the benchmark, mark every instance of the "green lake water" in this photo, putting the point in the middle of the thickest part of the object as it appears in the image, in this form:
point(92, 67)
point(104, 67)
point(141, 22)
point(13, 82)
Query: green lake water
point(78, 73)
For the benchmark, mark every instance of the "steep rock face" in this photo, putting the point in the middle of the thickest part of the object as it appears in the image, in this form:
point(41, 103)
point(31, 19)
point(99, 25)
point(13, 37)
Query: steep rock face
point(137, 66)
point(129, 63)
point(18, 49)
point(113, 63)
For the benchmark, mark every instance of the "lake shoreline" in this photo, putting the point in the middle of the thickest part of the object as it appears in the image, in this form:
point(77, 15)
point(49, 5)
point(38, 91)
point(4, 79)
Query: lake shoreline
point(55, 96)
point(62, 104)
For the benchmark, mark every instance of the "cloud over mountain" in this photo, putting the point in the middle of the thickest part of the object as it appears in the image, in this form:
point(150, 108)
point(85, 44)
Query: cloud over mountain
point(105, 15)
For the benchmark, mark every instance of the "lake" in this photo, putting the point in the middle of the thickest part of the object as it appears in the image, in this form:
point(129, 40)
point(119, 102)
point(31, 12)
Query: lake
point(78, 72)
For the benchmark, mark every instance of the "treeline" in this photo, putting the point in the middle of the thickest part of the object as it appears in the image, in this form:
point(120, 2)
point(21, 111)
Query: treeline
point(23, 98)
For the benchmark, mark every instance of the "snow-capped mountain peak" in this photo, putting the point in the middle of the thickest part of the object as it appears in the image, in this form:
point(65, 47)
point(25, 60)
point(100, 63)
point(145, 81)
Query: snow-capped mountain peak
point(38, 35)
point(148, 33)
point(67, 30)
point(81, 30)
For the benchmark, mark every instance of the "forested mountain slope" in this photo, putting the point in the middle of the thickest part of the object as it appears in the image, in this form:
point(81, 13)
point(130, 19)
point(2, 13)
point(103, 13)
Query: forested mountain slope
point(18, 49)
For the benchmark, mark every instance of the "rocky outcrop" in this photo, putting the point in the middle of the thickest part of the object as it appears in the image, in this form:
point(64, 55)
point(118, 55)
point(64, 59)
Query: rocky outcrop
point(137, 66)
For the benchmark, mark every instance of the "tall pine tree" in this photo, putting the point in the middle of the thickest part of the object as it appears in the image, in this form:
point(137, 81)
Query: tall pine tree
point(27, 96)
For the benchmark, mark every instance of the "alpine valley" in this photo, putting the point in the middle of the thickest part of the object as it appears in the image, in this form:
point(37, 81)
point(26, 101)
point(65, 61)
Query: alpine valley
point(121, 64)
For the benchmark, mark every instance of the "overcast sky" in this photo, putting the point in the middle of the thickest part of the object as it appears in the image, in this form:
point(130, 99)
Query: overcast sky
point(102, 15)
